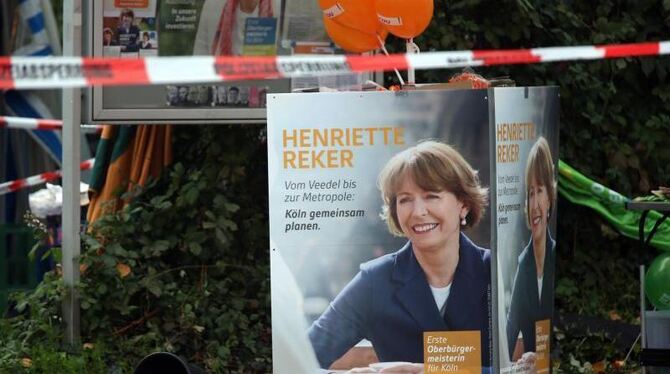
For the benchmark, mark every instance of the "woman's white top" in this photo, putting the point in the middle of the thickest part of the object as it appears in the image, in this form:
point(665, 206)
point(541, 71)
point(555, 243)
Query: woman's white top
point(441, 294)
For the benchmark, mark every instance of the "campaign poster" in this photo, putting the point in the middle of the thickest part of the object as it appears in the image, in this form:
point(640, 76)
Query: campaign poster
point(526, 167)
point(346, 292)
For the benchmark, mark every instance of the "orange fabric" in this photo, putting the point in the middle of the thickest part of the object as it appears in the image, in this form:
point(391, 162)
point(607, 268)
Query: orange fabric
point(152, 151)
point(147, 154)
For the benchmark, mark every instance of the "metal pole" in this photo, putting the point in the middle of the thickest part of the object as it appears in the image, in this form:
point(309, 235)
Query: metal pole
point(643, 313)
point(71, 215)
point(412, 48)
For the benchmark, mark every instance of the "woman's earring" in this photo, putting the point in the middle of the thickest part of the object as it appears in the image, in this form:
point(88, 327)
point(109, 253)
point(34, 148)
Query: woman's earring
point(463, 221)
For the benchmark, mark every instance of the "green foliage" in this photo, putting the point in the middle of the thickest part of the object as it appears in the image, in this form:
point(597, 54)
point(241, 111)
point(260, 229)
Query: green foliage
point(32, 341)
point(44, 359)
point(40, 316)
point(590, 351)
point(197, 285)
point(184, 268)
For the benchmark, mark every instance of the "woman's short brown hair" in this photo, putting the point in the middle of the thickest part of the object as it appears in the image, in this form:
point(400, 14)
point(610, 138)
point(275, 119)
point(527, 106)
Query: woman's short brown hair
point(433, 166)
point(540, 167)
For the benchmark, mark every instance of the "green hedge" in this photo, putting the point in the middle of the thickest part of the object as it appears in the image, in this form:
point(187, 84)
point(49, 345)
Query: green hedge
point(184, 269)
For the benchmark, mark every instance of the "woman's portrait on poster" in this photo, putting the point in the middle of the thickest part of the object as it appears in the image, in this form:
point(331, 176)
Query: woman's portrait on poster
point(438, 281)
point(533, 286)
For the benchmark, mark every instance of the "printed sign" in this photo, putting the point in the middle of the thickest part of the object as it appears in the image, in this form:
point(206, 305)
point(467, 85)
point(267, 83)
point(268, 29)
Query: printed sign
point(526, 146)
point(363, 287)
point(542, 345)
point(452, 352)
point(260, 37)
point(382, 207)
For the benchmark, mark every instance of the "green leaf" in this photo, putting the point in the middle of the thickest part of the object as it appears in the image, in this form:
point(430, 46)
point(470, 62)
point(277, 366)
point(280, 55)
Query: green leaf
point(209, 214)
point(195, 248)
point(116, 249)
point(155, 289)
point(232, 207)
point(102, 289)
point(159, 246)
point(109, 261)
point(621, 63)
point(178, 168)
point(47, 254)
point(33, 251)
point(232, 226)
point(221, 236)
point(191, 195)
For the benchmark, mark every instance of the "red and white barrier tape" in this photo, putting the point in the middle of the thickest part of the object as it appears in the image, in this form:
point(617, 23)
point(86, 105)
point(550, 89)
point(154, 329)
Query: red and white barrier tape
point(35, 180)
point(37, 124)
point(30, 123)
point(62, 72)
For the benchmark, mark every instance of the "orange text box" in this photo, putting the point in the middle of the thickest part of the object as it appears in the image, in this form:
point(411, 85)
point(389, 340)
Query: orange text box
point(131, 3)
point(542, 348)
point(452, 352)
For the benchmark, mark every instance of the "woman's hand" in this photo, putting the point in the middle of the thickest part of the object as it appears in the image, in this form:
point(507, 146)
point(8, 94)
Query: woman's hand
point(404, 369)
point(390, 367)
point(362, 370)
point(526, 364)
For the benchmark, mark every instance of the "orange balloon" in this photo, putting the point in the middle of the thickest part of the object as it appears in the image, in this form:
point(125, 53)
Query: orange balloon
point(357, 14)
point(404, 18)
point(350, 39)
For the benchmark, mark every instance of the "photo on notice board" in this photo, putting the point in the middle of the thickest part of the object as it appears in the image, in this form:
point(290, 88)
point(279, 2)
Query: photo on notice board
point(380, 231)
point(221, 28)
point(129, 29)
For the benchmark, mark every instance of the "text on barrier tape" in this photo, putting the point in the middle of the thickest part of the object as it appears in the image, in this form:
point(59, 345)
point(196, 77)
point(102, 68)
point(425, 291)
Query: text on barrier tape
point(63, 72)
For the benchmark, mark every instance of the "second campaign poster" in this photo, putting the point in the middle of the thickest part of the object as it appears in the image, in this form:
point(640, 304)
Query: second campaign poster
point(525, 132)
point(380, 230)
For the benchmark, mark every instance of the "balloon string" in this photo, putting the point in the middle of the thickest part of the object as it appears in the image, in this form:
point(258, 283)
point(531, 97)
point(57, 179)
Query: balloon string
point(383, 47)
point(411, 48)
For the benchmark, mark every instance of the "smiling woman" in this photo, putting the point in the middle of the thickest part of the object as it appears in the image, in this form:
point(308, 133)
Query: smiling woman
point(439, 281)
point(533, 289)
